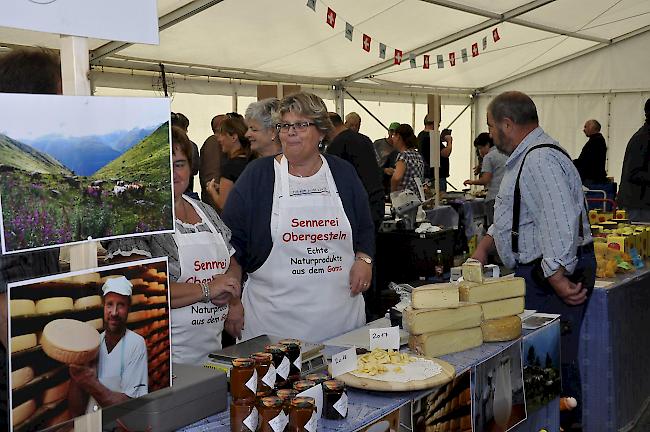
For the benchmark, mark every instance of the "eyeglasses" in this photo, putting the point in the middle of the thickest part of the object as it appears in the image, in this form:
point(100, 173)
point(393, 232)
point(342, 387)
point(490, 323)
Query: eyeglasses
point(298, 127)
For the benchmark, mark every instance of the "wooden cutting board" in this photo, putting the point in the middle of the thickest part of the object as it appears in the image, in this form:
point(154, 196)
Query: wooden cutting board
point(447, 374)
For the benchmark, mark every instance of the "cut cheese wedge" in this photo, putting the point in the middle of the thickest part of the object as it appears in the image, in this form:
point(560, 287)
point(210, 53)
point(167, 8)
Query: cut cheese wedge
point(88, 302)
point(472, 271)
point(22, 307)
point(70, 341)
point(54, 304)
point(441, 343)
point(23, 342)
point(419, 321)
point(21, 376)
point(441, 295)
point(22, 412)
point(501, 329)
point(493, 289)
point(502, 308)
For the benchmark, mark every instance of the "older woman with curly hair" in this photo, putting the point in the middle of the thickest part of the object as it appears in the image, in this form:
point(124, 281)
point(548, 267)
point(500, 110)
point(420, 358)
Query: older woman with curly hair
point(261, 128)
point(303, 233)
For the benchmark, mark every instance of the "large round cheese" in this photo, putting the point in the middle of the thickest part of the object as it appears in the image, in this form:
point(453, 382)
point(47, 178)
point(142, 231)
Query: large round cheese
point(21, 376)
point(501, 329)
point(56, 393)
point(22, 307)
point(23, 342)
point(70, 341)
point(22, 412)
point(88, 302)
point(53, 304)
point(97, 324)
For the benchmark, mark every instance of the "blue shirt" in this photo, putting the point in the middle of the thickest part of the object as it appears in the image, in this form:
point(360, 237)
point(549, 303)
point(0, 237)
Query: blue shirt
point(552, 201)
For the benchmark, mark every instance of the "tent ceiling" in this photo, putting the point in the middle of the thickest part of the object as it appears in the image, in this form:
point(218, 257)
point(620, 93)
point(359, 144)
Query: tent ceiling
point(287, 39)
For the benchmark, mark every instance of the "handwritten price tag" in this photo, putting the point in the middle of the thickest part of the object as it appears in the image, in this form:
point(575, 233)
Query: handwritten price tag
point(344, 362)
point(384, 338)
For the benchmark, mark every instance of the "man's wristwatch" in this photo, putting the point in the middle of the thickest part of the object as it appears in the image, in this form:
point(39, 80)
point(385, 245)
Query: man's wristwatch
point(363, 258)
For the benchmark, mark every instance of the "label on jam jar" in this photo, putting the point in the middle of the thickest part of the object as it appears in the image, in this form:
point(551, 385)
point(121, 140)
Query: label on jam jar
point(298, 362)
point(280, 422)
point(252, 382)
point(283, 369)
point(342, 405)
point(269, 378)
point(312, 424)
point(251, 420)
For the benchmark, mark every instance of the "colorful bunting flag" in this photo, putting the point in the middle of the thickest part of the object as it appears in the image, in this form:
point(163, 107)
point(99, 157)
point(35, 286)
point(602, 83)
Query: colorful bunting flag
point(382, 50)
point(412, 60)
point(484, 43)
point(349, 29)
point(463, 55)
point(495, 35)
point(398, 57)
point(474, 49)
point(452, 58)
point(425, 65)
point(441, 62)
point(366, 42)
point(311, 4)
point(331, 17)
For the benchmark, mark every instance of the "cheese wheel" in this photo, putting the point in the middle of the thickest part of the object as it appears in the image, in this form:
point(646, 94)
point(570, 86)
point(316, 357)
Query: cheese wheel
point(161, 277)
point(86, 278)
point(137, 281)
point(22, 412)
point(70, 341)
point(466, 422)
point(97, 324)
point(23, 342)
point(501, 329)
point(157, 299)
point(88, 302)
point(22, 307)
point(136, 316)
point(56, 393)
point(21, 377)
point(53, 304)
point(138, 298)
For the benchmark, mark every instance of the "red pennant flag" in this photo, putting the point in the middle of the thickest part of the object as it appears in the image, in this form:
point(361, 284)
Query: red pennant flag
point(398, 57)
point(452, 58)
point(495, 35)
point(331, 17)
point(426, 62)
point(474, 49)
point(366, 42)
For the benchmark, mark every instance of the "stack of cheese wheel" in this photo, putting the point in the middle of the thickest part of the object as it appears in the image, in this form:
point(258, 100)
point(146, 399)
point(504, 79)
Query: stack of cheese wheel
point(501, 300)
point(447, 409)
point(439, 323)
point(70, 341)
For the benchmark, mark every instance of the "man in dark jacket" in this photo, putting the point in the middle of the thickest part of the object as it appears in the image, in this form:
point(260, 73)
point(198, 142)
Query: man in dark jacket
point(591, 162)
point(634, 192)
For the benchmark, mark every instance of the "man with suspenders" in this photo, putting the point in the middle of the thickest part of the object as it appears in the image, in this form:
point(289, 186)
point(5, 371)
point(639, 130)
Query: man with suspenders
point(541, 228)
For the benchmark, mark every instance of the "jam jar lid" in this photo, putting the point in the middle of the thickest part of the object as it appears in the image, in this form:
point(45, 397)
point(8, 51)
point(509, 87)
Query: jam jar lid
point(271, 402)
point(289, 342)
point(275, 348)
point(262, 357)
point(303, 385)
point(303, 402)
point(333, 385)
point(286, 393)
point(317, 377)
point(243, 362)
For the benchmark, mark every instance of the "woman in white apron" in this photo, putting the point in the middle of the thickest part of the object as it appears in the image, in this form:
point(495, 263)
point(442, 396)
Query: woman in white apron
point(302, 224)
point(205, 278)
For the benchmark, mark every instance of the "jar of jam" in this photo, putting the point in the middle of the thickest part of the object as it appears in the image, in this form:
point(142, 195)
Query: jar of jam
point(265, 373)
point(287, 396)
point(243, 415)
point(335, 400)
point(243, 379)
point(281, 364)
point(295, 357)
point(301, 415)
point(317, 378)
point(272, 417)
point(301, 386)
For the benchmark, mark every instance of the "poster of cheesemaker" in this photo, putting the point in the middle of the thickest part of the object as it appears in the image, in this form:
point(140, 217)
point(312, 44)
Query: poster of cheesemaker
point(499, 401)
point(76, 167)
point(85, 340)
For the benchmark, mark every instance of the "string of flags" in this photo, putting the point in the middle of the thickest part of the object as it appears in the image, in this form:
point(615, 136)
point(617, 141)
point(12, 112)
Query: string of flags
point(399, 55)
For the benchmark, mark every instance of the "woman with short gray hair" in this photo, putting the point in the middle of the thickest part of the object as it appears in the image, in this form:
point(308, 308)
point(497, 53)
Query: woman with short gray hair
point(261, 128)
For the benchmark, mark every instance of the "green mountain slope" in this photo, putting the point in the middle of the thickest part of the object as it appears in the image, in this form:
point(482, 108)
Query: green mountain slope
point(16, 154)
point(147, 161)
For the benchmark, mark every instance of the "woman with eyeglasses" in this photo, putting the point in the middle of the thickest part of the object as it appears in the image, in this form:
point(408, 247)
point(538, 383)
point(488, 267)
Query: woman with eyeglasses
point(261, 129)
point(303, 233)
point(237, 147)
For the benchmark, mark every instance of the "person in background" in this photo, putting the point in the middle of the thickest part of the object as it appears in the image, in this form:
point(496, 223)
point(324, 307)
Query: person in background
point(261, 132)
point(634, 192)
point(383, 146)
point(551, 245)
point(491, 171)
point(388, 167)
point(232, 137)
point(358, 150)
point(180, 120)
point(24, 70)
point(353, 122)
point(204, 276)
point(409, 165)
point(210, 159)
point(277, 212)
point(121, 371)
point(446, 148)
point(592, 159)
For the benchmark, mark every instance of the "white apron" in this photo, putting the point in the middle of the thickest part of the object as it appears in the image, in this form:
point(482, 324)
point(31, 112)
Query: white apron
point(196, 328)
point(292, 296)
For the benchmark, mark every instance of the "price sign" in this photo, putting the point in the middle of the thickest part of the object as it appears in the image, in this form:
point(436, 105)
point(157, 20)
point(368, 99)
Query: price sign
point(384, 338)
point(344, 362)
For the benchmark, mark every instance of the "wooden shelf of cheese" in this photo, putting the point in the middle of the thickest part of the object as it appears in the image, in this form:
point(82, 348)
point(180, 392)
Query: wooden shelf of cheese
point(449, 408)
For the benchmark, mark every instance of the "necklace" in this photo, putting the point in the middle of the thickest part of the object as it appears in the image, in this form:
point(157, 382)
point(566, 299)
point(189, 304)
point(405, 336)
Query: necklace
point(305, 171)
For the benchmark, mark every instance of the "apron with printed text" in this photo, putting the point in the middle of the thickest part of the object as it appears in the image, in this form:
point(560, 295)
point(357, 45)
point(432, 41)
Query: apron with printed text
point(302, 290)
point(196, 328)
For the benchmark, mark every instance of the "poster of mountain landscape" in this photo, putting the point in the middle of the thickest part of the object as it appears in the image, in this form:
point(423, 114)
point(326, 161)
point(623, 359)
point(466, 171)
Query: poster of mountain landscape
point(74, 168)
